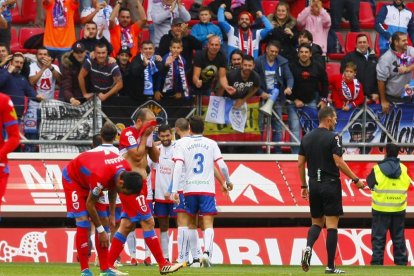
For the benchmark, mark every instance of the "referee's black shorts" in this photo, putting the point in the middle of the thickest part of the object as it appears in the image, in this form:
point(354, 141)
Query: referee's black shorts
point(325, 198)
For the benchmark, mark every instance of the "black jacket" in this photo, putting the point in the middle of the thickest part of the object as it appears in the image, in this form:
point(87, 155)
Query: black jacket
point(366, 70)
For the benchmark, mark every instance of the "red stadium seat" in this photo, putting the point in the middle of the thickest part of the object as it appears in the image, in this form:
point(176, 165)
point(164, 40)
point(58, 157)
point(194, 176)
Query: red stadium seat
point(366, 17)
point(143, 36)
point(332, 69)
point(379, 6)
point(15, 13)
point(28, 10)
point(25, 34)
point(350, 42)
point(410, 6)
point(269, 7)
point(377, 48)
point(187, 4)
point(338, 56)
point(206, 2)
point(14, 43)
point(81, 33)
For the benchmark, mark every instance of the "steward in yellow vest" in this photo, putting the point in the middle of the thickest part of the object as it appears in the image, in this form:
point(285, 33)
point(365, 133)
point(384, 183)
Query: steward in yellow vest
point(389, 183)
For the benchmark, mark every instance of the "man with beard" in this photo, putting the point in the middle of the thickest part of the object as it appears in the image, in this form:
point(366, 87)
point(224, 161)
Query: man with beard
point(90, 38)
point(71, 66)
point(15, 85)
point(209, 64)
point(127, 32)
point(310, 86)
point(243, 37)
point(321, 150)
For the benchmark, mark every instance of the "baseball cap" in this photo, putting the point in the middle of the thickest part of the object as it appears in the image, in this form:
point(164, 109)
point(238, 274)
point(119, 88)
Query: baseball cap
point(124, 49)
point(78, 47)
point(177, 21)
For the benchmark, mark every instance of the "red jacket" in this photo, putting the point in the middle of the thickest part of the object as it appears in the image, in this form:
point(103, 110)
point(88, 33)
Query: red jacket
point(338, 96)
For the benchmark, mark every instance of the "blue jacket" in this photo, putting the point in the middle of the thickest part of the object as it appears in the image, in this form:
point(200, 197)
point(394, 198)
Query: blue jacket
point(284, 76)
point(395, 20)
point(202, 30)
point(17, 87)
point(233, 34)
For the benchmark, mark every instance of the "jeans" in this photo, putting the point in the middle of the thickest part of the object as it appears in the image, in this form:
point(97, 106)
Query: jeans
point(293, 123)
point(337, 11)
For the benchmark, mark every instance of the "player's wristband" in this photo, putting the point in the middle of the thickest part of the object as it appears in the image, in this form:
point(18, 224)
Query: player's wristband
point(304, 186)
point(100, 229)
point(355, 180)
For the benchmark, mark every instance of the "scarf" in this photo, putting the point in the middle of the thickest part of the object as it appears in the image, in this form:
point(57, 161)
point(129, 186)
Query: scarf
point(347, 92)
point(248, 49)
point(126, 37)
point(237, 4)
point(149, 71)
point(59, 14)
point(177, 67)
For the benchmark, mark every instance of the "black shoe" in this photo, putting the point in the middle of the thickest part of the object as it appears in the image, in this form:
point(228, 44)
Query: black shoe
point(334, 271)
point(306, 257)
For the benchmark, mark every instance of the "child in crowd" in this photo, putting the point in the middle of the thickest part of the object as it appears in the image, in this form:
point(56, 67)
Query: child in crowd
point(203, 30)
point(347, 92)
point(174, 83)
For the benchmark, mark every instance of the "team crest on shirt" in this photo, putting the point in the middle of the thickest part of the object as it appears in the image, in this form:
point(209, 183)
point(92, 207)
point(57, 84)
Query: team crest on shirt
point(97, 190)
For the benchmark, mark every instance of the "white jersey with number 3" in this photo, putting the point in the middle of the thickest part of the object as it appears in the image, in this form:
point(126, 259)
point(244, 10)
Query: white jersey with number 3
point(198, 154)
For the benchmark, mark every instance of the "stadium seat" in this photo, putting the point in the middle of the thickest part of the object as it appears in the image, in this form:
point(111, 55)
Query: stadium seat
point(339, 56)
point(269, 7)
point(350, 42)
point(15, 13)
point(206, 2)
point(379, 6)
point(28, 10)
point(377, 48)
point(187, 4)
point(81, 33)
point(25, 34)
point(14, 43)
point(332, 69)
point(410, 6)
point(143, 36)
point(366, 17)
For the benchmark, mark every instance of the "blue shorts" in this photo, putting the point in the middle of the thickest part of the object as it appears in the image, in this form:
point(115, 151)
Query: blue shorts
point(200, 204)
point(118, 212)
point(140, 216)
point(180, 208)
point(164, 210)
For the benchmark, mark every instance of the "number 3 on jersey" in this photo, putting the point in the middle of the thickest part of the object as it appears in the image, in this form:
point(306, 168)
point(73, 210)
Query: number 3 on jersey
point(199, 157)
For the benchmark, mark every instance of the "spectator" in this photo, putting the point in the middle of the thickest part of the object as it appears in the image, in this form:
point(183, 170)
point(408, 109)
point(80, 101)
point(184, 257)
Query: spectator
point(104, 77)
point(317, 21)
point(347, 91)
point(310, 86)
point(392, 18)
point(43, 77)
point(203, 30)
point(389, 182)
point(4, 55)
point(99, 12)
point(394, 71)
point(305, 37)
point(284, 30)
point(15, 85)
point(235, 8)
point(71, 65)
point(173, 80)
point(242, 37)
point(163, 13)
point(126, 32)
point(6, 7)
point(277, 81)
point(122, 60)
point(246, 82)
point(210, 65)
point(145, 69)
point(337, 13)
point(236, 58)
point(179, 30)
point(296, 6)
point(90, 38)
point(60, 26)
point(366, 61)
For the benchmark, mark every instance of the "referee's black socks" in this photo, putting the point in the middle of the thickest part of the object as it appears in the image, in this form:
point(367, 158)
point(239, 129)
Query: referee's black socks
point(313, 235)
point(331, 242)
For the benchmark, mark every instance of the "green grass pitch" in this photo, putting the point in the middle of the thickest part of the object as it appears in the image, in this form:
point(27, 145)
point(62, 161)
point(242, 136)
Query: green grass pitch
point(56, 269)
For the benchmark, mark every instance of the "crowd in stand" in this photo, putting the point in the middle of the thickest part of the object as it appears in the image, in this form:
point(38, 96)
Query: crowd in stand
point(280, 57)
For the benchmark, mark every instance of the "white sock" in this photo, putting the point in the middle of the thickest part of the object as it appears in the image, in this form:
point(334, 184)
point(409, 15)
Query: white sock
point(132, 244)
point(208, 240)
point(182, 243)
point(164, 244)
point(194, 246)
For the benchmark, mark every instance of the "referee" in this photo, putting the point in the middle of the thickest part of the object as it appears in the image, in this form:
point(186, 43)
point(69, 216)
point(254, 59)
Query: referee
point(321, 149)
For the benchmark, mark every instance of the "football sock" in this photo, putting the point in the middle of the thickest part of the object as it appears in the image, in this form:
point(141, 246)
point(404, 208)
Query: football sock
point(164, 244)
point(82, 237)
point(331, 242)
point(313, 235)
point(153, 243)
point(194, 246)
point(117, 246)
point(208, 240)
point(102, 252)
point(182, 242)
point(132, 244)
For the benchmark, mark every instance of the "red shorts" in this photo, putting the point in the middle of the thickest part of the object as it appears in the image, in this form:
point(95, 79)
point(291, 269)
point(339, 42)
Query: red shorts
point(135, 208)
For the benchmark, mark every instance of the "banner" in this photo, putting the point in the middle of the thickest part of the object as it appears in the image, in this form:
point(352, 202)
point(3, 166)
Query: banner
point(398, 122)
point(258, 246)
point(271, 188)
point(226, 132)
point(63, 121)
point(221, 111)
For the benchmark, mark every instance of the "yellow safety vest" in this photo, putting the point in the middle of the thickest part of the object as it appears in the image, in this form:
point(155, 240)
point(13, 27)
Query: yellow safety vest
point(390, 195)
